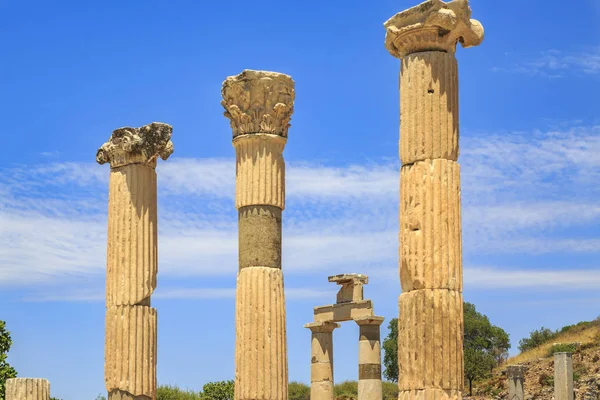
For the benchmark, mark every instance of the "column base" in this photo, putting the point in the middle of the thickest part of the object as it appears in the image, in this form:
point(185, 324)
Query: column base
point(430, 394)
point(122, 395)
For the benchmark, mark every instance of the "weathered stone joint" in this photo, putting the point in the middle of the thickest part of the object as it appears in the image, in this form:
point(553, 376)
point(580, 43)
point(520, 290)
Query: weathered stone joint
point(137, 145)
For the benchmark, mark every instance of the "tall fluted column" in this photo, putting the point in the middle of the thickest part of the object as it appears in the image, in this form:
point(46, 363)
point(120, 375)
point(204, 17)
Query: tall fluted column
point(430, 325)
point(369, 358)
point(27, 389)
point(259, 106)
point(321, 361)
point(131, 266)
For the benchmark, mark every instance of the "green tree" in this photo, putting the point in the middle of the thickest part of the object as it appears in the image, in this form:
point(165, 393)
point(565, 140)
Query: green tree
point(485, 346)
point(6, 371)
point(222, 390)
point(100, 397)
point(389, 390)
point(536, 338)
point(168, 392)
point(298, 391)
point(390, 352)
point(346, 390)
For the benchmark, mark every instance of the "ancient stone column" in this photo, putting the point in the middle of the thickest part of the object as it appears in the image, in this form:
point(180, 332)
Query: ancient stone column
point(131, 267)
point(430, 325)
point(27, 389)
point(563, 376)
point(369, 358)
point(259, 106)
point(516, 377)
point(321, 367)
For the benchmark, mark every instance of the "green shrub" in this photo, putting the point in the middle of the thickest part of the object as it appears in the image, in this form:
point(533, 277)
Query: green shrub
point(168, 392)
point(298, 391)
point(346, 390)
point(389, 390)
point(536, 338)
point(562, 347)
point(546, 380)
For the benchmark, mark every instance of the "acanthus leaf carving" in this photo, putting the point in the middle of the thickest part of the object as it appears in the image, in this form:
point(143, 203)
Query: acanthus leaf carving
point(141, 145)
point(258, 102)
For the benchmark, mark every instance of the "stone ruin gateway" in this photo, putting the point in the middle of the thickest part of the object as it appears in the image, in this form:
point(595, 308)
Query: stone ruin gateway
point(350, 306)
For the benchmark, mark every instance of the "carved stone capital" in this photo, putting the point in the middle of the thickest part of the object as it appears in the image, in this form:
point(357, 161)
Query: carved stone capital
point(137, 145)
point(258, 102)
point(432, 26)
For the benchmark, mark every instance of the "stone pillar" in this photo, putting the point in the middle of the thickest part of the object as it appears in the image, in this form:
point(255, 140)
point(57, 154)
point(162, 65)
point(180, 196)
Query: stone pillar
point(563, 376)
point(131, 267)
point(430, 325)
point(321, 363)
point(259, 106)
point(516, 377)
point(27, 389)
point(369, 358)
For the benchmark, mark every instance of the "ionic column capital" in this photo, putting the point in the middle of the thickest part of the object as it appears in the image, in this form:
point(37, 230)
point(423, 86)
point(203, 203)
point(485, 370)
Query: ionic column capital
point(258, 102)
point(137, 145)
point(432, 26)
point(322, 327)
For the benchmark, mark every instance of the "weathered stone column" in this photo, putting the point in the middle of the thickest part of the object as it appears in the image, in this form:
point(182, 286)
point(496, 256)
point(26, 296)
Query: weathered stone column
point(131, 267)
point(563, 376)
point(27, 389)
point(369, 358)
point(259, 106)
point(516, 377)
point(430, 326)
point(321, 363)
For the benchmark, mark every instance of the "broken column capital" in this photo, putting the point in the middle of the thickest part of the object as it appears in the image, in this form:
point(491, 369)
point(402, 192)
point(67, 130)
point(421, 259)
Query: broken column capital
point(258, 102)
point(322, 327)
point(137, 145)
point(352, 287)
point(432, 26)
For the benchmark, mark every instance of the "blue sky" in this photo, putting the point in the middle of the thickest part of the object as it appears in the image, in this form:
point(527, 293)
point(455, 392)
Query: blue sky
point(73, 71)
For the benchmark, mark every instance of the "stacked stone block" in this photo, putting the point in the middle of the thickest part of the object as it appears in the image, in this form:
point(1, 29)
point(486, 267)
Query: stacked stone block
point(516, 380)
point(27, 389)
point(321, 363)
point(369, 358)
point(131, 268)
point(259, 105)
point(430, 325)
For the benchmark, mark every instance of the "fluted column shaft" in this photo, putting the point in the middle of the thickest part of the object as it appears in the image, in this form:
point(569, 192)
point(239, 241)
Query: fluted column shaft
point(321, 362)
point(430, 324)
point(259, 105)
point(131, 267)
point(27, 389)
point(369, 358)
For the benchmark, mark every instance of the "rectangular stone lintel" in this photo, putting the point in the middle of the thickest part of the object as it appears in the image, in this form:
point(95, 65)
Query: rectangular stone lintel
point(344, 312)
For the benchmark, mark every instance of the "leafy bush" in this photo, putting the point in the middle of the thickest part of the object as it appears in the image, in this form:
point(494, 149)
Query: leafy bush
point(168, 392)
point(546, 380)
point(298, 391)
point(346, 390)
point(536, 338)
point(562, 347)
point(222, 390)
point(389, 390)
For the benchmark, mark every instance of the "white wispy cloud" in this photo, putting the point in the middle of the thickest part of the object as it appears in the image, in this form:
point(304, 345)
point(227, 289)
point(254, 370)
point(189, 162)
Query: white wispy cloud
point(555, 64)
point(504, 278)
point(522, 192)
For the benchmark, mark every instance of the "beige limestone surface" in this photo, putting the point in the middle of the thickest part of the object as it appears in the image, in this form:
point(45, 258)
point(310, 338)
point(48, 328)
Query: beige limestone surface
point(563, 376)
point(430, 226)
point(321, 370)
point(516, 377)
point(351, 287)
point(130, 350)
point(428, 107)
point(259, 236)
point(430, 394)
point(261, 348)
point(344, 312)
point(369, 358)
point(27, 389)
point(430, 338)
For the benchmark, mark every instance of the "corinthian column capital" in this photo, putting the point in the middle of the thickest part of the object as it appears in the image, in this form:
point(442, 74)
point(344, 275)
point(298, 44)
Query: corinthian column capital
point(432, 26)
point(258, 102)
point(137, 145)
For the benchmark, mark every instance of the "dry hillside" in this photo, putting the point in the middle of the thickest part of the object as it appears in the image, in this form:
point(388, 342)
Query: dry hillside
point(539, 378)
